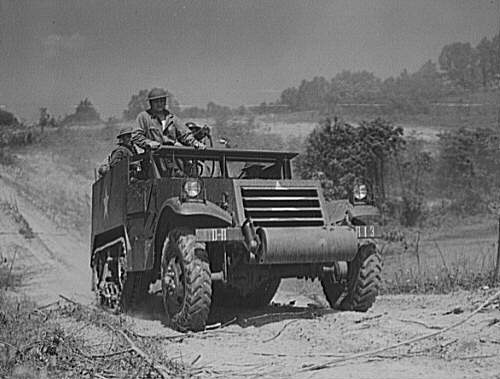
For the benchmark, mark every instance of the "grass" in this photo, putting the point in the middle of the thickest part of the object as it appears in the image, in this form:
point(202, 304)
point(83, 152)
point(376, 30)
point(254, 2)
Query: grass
point(11, 208)
point(69, 341)
point(53, 187)
point(460, 254)
point(440, 269)
point(9, 276)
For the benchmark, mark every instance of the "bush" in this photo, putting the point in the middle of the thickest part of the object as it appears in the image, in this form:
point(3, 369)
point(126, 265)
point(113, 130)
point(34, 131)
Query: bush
point(345, 154)
point(468, 166)
point(7, 118)
point(85, 113)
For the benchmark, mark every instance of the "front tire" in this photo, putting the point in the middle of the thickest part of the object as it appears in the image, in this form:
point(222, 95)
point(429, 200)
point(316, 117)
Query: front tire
point(364, 279)
point(186, 281)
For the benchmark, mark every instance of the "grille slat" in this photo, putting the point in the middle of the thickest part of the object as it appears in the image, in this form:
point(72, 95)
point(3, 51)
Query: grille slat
point(280, 198)
point(249, 209)
point(282, 206)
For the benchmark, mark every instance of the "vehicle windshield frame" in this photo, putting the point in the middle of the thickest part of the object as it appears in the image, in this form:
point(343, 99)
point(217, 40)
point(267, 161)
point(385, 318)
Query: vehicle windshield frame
point(225, 156)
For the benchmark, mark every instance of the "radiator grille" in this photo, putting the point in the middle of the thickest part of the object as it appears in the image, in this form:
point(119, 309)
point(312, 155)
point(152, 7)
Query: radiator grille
point(282, 207)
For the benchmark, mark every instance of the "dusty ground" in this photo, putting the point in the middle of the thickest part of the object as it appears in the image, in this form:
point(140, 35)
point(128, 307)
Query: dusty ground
point(281, 340)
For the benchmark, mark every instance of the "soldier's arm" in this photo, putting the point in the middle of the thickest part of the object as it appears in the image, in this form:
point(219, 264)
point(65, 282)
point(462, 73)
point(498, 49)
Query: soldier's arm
point(139, 136)
point(185, 135)
point(116, 156)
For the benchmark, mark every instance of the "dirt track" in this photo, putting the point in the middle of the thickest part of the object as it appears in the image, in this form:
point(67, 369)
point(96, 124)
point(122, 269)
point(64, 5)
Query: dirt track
point(279, 341)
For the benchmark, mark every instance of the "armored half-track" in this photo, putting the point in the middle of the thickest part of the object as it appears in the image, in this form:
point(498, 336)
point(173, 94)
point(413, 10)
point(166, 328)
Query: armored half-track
point(224, 226)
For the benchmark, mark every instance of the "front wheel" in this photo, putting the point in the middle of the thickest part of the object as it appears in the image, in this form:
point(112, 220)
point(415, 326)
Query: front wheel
point(362, 285)
point(186, 281)
point(364, 279)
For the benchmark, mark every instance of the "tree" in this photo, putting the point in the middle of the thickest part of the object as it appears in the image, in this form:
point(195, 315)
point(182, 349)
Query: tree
point(343, 154)
point(486, 63)
point(7, 118)
point(85, 113)
point(43, 121)
point(459, 61)
point(139, 102)
point(468, 166)
point(415, 169)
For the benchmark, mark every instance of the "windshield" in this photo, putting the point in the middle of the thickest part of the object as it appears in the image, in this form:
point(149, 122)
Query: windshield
point(209, 168)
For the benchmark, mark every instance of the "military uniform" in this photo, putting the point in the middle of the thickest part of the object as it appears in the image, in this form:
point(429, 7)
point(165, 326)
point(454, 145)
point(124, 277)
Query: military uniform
point(164, 128)
point(121, 152)
point(125, 149)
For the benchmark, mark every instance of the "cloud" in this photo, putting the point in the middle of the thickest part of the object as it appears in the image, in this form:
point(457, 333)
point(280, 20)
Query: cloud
point(56, 44)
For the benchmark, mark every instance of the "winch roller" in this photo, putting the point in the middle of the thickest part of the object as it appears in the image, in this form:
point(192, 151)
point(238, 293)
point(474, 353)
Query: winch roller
point(306, 245)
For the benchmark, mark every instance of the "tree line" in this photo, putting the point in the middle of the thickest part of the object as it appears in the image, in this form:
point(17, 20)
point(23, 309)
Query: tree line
point(462, 67)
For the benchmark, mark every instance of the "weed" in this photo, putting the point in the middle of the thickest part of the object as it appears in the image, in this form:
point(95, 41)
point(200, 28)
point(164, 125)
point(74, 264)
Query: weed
point(69, 341)
point(11, 207)
point(440, 268)
point(6, 157)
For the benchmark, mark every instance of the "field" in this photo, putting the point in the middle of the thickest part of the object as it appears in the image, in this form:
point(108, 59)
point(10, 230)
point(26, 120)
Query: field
point(430, 279)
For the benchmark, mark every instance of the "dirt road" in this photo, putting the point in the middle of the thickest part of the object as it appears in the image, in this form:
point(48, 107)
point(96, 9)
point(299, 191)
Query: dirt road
point(284, 339)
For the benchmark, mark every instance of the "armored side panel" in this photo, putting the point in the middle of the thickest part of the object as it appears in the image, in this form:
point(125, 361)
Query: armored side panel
point(109, 204)
point(142, 207)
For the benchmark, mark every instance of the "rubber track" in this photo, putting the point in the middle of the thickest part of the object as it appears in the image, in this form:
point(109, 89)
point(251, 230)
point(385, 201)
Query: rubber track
point(198, 286)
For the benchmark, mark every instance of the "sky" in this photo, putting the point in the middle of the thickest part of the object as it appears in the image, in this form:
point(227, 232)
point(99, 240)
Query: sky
point(54, 53)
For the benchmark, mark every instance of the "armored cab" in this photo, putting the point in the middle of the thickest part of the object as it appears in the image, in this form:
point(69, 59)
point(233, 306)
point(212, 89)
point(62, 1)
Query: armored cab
point(225, 226)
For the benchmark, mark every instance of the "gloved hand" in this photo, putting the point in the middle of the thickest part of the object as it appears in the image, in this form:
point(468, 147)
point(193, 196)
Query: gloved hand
point(199, 145)
point(153, 145)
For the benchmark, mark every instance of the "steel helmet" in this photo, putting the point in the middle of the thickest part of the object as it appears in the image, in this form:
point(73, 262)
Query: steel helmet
point(157, 93)
point(124, 132)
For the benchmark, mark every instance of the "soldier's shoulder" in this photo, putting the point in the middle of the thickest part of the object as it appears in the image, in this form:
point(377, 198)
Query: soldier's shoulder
point(143, 115)
point(120, 149)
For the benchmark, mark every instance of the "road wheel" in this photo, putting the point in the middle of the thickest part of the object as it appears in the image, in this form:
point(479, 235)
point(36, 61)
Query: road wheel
point(186, 281)
point(135, 289)
point(364, 279)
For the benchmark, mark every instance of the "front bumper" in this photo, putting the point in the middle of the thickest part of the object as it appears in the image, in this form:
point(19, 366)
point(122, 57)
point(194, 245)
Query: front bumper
point(298, 244)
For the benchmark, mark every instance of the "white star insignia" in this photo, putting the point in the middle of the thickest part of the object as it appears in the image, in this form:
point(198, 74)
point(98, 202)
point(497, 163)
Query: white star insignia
point(105, 202)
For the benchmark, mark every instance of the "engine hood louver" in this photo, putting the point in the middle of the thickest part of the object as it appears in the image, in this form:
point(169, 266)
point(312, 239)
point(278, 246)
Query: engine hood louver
point(282, 206)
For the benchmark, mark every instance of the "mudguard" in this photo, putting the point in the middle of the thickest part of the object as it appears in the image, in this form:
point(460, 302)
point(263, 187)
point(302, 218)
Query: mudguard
point(364, 211)
point(175, 213)
point(196, 208)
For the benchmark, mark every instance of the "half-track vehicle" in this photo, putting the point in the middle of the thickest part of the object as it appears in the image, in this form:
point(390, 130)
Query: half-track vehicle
point(224, 226)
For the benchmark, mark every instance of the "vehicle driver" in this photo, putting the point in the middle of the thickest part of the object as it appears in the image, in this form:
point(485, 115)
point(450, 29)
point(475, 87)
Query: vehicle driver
point(157, 126)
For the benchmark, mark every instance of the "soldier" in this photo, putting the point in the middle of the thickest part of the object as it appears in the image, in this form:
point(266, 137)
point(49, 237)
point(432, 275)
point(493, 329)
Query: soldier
point(124, 149)
point(158, 126)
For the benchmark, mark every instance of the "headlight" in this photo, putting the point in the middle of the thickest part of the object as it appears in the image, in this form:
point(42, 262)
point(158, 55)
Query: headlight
point(192, 188)
point(360, 192)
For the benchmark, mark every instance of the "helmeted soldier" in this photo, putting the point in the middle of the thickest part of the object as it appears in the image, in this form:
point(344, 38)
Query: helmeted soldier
point(158, 126)
point(125, 149)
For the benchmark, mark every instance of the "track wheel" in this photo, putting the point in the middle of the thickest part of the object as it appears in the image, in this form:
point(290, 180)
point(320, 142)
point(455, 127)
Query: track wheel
point(186, 281)
point(364, 279)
